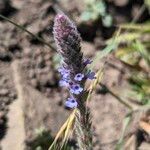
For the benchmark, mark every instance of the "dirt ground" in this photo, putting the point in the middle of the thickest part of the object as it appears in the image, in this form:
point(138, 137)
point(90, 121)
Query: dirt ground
point(42, 100)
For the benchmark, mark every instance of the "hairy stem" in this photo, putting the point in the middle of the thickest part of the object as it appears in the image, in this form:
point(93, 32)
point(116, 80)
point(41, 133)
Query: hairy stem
point(83, 128)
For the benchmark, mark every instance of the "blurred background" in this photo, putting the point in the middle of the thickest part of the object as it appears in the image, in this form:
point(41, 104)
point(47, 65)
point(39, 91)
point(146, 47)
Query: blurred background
point(116, 35)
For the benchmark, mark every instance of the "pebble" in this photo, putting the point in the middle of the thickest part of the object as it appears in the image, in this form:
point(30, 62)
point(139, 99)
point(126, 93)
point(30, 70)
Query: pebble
point(121, 3)
point(4, 92)
point(13, 95)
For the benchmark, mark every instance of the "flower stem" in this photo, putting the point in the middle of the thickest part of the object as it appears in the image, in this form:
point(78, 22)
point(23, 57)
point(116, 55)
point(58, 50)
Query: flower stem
point(83, 128)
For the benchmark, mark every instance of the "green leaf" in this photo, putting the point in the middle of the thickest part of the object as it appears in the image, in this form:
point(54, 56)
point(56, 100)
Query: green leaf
point(147, 3)
point(145, 27)
point(126, 37)
point(86, 16)
point(107, 21)
point(127, 54)
point(144, 53)
point(100, 7)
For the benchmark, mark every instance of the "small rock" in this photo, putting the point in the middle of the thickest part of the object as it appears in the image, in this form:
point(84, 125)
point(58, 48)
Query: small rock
point(121, 3)
point(4, 92)
point(13, 95)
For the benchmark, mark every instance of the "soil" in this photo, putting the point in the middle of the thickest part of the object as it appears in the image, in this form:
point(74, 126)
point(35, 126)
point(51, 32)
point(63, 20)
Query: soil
point(43, 99)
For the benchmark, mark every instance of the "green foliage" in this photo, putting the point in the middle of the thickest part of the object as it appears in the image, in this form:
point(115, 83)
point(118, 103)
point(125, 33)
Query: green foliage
point(144, 53)
point(147, 3)
point(107, 20)
point(95, 9)
point(141, 88)
point(135, 52)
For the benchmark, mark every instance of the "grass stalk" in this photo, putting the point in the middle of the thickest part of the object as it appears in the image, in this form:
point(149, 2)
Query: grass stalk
point(25, 30)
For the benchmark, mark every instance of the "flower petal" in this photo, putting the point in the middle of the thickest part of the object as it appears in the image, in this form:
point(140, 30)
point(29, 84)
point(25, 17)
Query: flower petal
point(71, 103)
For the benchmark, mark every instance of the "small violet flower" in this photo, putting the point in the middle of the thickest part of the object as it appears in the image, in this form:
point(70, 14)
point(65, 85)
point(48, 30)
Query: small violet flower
point(76, 89)
point(64, 72)
point(63, 83)
point(72, 71)
point(71, 103)
point(91, 75)
point(79, 77)
point(61, 70)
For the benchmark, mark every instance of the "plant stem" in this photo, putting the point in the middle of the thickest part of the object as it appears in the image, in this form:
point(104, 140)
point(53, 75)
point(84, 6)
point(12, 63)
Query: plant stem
point(117, 97)
point(24, 29)
point(83, 127)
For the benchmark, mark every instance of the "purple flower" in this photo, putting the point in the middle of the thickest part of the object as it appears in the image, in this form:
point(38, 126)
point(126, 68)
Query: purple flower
point(76, 89)
point(87, 61)
point(63, 83)
point(91, 75)
point(61, 70)
point(64, 72)
point(79, 77)
point(71, 103)
point(68, 40)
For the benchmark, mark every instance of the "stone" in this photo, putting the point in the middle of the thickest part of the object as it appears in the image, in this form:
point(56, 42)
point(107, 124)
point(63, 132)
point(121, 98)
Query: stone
point(4, 92)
